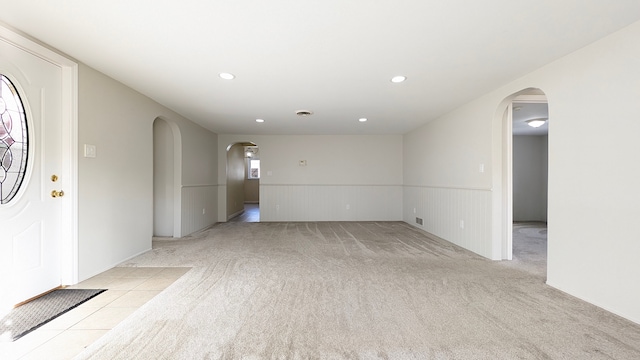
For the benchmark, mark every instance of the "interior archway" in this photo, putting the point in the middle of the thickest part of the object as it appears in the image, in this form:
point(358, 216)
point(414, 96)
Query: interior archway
point(166, 179)
point(242, 184)
point(528, 101)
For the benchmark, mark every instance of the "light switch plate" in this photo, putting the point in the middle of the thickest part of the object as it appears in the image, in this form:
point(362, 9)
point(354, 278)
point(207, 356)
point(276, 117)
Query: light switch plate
point(89, 151)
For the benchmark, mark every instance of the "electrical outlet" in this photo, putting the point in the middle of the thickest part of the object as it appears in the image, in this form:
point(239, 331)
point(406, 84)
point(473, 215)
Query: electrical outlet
point(203, 211)
point(348, 206)
point(461, 224)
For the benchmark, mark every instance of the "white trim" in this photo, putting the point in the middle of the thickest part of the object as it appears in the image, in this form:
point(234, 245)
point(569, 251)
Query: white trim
point(69, 173)
point(449, 187)
point(507, 184)
point(112, 265)
point(327, 185)
point(530, 99)
point(235, 214)
point(502, 156)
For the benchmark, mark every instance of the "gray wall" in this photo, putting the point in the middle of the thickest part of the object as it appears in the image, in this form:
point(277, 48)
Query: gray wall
point(530, 178)
point(163, 179)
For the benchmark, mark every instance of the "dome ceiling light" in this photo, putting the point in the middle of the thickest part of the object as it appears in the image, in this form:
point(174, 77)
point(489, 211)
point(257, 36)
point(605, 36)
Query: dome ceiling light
point(536, 122)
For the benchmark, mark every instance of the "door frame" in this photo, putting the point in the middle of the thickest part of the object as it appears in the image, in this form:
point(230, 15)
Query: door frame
point(176, 158)
point(69, 171)
point(503, 173)
point(225, 216)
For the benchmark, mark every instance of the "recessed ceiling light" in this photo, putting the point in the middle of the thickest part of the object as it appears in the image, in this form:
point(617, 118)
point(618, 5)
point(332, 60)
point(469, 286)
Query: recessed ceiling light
point(362, 119)
point(398, 79)
point(227, 76)
point(260, 120)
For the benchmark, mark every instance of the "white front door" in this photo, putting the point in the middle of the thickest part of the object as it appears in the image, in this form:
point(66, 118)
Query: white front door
point(30, 224)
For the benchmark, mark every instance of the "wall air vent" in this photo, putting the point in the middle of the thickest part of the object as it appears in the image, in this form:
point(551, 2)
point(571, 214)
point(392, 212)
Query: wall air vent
point(304, 113)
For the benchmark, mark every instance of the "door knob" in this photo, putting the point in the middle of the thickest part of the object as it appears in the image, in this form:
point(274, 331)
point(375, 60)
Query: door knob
point(56, 193)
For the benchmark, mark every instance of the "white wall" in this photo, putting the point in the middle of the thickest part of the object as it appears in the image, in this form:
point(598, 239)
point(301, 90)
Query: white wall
point(443, 182)
point(347, 177)
point(593, 169)
point(116, 187)
point(530, 178)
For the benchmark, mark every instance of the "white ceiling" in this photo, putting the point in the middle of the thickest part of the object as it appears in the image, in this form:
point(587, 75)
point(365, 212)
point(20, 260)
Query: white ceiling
point(333, 57)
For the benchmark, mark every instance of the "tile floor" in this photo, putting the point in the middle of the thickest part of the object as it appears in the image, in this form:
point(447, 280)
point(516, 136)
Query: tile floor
point(67, 335)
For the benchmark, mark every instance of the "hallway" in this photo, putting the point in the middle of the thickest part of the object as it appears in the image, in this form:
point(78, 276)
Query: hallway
point(251, 214)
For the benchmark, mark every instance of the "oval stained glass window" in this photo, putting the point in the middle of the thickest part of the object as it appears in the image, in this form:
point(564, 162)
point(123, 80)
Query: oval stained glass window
point(13, 141)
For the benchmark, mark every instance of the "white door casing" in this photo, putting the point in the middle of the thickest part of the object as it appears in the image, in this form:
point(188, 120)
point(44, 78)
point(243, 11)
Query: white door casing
point(38, 233)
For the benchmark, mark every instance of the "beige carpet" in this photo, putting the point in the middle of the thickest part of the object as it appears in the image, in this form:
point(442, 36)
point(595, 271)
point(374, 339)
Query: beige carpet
point(369, 290)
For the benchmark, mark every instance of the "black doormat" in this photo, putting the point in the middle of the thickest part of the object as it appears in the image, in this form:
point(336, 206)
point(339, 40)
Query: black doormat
point(30, 316)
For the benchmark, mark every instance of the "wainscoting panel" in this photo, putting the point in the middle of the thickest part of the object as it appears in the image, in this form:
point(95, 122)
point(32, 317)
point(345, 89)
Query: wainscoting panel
point(199, 207)
point(461, 216)
point(330, 202)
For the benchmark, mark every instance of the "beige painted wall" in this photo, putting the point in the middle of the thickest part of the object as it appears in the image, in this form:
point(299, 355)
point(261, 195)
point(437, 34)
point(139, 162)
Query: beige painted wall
point(235, 179)
point(252, 191)
point(116, 187)
point(358, 164)
point(593, 168)
point(164, 188)
point(331, 159)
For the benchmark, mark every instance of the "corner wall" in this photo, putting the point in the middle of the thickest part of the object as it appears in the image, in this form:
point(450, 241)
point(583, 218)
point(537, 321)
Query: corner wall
point(199, 186)
point(447, 181)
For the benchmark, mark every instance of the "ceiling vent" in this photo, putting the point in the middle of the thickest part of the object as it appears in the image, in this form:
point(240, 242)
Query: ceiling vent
point(304, 113)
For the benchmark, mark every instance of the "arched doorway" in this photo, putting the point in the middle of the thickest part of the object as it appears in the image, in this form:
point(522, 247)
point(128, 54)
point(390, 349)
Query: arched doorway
point(521, 177)
point(243, 182)
point(166, 179)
